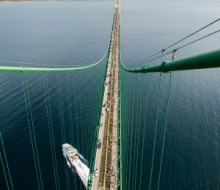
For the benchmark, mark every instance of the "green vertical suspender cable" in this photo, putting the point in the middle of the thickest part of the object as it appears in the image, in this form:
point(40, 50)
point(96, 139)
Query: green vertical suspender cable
point(59, 105)
point(138, 95)
point(6, 179)
point(129, 132)
point(50, 136)
point(69, 108)
point(32, 124)
point(80, 119)
point(132, 120)
point(129, 101)
point(61, 122)
point(31, 130)
point(119, 111)
point(128, 128)
point(91, 131)
point(84, 134)
point(164, 133)
point(134, 134)
point(81, 123)
point(155, 130)
point(77, 110)
point(76, 123)
point(6, 161)
point(121, 132)
point(120, 124)
point(126, 158)
point(50, 127)
point(53, 138)
point(142, 151)
point(125, 149)
point(123, 125)
point(95, 114)
point(63, 132)
point(93, 122)
point(34, 135)
point(125, 142)
point(82, 128)
point(31, 135)
point(88, 129)
point(138, 131)
point(124, 137)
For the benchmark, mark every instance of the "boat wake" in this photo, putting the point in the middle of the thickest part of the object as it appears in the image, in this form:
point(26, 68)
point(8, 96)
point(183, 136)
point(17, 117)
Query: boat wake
point(83, 159)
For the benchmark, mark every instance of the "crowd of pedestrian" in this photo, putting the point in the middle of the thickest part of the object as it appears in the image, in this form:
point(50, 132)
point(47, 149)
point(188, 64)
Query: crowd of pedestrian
point(111, 170)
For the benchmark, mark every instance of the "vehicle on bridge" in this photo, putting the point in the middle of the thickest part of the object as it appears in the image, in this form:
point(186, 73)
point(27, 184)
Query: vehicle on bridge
point(96, 173)
point(99, 143)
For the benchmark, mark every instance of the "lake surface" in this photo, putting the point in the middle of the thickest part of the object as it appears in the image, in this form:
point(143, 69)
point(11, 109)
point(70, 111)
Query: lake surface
point(191, 154)
point(77, 33)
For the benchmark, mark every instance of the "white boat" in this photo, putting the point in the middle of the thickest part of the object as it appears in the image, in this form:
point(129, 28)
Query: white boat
point(72, 157)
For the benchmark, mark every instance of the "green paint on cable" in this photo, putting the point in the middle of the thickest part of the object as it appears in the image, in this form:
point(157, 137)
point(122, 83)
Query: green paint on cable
point(33, 69)
point(164, 133)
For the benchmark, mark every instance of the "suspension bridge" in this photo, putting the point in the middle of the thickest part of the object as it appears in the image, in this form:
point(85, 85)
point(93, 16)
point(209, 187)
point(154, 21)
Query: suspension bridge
point(100, 110)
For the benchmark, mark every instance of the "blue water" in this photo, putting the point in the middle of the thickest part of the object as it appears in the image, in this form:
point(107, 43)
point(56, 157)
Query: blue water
point(77, 33)
point(191, 155)
point(54, 34)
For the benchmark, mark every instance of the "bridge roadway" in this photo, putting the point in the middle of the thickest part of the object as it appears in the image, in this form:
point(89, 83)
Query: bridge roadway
point(106, 156)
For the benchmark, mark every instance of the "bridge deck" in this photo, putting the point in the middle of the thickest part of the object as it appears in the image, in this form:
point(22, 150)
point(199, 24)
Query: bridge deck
point(106, 156)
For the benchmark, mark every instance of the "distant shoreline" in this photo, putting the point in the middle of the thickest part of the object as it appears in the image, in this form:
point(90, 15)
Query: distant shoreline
point(38, 0)
point(18, 0)
point(48, 0)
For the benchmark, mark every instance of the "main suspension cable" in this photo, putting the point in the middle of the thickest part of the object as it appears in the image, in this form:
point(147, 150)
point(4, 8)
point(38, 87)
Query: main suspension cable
point(146, 60)
point(183, 46)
